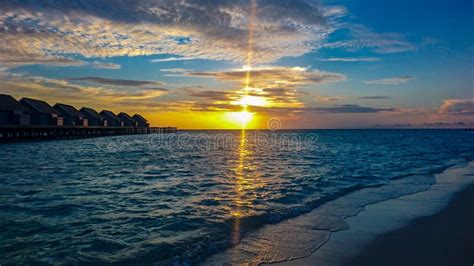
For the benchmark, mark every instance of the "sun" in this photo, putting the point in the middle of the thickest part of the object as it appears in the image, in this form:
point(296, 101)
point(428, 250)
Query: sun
point(243, 117)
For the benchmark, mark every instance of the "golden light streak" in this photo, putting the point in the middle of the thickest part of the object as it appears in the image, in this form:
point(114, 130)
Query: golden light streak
point(250, 42)
point(245, 116)
point(237, 213)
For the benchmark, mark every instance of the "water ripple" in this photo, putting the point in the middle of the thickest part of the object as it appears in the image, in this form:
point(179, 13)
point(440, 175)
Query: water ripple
point(132, 199)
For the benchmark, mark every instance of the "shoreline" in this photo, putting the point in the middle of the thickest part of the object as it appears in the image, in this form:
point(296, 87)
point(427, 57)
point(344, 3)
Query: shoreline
point(426, 240)
point(337, 230)
point(383, 227)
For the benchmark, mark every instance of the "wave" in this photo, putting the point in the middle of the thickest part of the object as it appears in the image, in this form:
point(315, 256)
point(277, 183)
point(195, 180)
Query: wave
point(180, 203)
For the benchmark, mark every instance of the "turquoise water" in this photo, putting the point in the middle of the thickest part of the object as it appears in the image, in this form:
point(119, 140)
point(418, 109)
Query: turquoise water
point(177, 199)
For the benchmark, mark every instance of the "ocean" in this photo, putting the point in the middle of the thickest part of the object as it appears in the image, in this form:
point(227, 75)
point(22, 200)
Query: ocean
point(181, 198)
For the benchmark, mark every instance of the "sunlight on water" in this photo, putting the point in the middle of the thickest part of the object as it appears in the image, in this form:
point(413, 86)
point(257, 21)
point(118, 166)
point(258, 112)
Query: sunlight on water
point(239, 187)
point(139, 199)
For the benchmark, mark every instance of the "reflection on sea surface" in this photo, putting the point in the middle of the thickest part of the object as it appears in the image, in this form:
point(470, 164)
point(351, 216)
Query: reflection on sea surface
point(239, 187)
point(142, 199)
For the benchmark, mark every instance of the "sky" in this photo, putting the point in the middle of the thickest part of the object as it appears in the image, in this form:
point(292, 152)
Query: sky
point(228, 64)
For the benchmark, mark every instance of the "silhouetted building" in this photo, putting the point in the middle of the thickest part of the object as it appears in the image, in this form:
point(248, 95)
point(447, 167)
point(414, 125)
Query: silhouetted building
point(72, 117)
point(41, 113)
point(12, 113)
point(140, 121)
point(95, 119)
point(126, 120)
point(112, 119)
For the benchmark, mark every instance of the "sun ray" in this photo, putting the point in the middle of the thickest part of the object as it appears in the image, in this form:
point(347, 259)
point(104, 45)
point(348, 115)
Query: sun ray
point(250, 43)
point(245, 116)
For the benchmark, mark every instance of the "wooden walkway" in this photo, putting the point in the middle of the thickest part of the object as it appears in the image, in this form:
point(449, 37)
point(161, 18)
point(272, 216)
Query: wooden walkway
point(16, 134)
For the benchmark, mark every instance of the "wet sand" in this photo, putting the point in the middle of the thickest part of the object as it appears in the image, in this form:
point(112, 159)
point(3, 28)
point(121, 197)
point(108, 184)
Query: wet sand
point(433, 227)
point(446, 238)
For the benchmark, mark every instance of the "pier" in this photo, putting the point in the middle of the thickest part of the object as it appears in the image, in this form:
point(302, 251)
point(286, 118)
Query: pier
point(36, 133)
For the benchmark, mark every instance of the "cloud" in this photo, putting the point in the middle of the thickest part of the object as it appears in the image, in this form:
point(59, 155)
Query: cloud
point(397, 125)
point(448, 124)
point(374, 97)
point(361, 37)
point(337, 109)
point(268, 86)
point(390, 81)
point(349, 108)
point(327, 99)
point(43, 32)
point(213, 95)
point(175, 70)
point(13, 60)
point(56, 90)
point(116, 82)
point(335, 11)
point(153, 100)
point(435, 124)
point(350, 59)
point(273, 76)
point(155, 89)
point(33, 31)
point(101, 65)
point(457, 107)
point(274, 97)
point(173, 59)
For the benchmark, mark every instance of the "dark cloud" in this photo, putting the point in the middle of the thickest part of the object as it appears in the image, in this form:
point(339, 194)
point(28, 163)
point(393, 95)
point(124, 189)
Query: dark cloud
point(339, 109)
point(350, 108)
point(215, 107)
point(212, 95)
point(117, 82)
point(187, 12)
point(157, 89)
point(327, 99)
point(32, 59)
point(447, 124)
point(58, 90)
point(398, 125)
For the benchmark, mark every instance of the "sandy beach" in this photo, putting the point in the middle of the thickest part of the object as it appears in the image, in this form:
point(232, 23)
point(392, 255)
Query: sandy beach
point(432, 227)
point(446, 238)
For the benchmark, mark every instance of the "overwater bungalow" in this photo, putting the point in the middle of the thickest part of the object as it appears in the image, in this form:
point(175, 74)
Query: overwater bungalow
point(12, 113)
point(112, 119)
point(31, 119)
point(95, 119)
point(126, 120)
point(72, 117)
point(41, 113)
point(140, 121)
